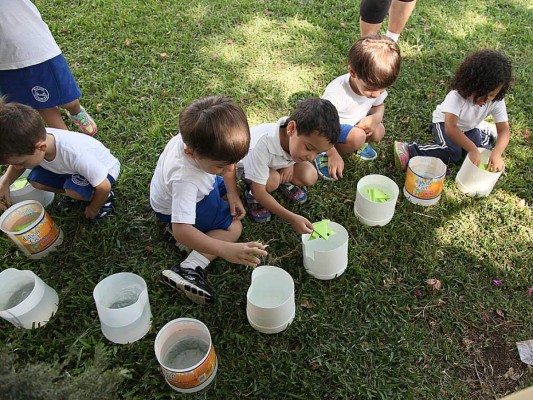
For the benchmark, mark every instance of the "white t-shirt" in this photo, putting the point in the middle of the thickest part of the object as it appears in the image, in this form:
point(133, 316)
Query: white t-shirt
point(470, 114)
point(25, 39)
point(351, 107)
point(81, 154)
point(178, 183)
point(265, 152)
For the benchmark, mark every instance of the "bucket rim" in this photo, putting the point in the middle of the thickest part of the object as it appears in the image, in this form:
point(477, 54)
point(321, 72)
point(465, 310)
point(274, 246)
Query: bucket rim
point(425, 177)
point(16, 206)
point(160, 334)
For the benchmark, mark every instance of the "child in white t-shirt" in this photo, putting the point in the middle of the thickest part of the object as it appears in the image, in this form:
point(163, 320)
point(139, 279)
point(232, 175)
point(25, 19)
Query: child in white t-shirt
point(61, 161)
point(281, 156)
point(32, 69)
point(187, 193)
point(359, 95)
point(478, 90)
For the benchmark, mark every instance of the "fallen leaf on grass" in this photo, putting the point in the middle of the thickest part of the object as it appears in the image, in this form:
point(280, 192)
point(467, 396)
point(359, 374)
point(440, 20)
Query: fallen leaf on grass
point(530, 292)
point(417, 293)
point(500, 313)
point(306, 304)
point(127, 42)
point(268, 13)
point(342, 25)
point(314, 366)
point(433, 284)
point(497, 282)
point(512, 374)
point(526, 134)
point(163, 56)
point(229, 41)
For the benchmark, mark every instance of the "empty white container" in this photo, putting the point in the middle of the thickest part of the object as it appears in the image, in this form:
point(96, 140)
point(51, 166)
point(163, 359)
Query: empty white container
point(28, 192)
point(270, 304)
point(123, 307)
point(475, 182)
point(326, 259)
point(186, 354)
point(25, 300)
point(372, 213)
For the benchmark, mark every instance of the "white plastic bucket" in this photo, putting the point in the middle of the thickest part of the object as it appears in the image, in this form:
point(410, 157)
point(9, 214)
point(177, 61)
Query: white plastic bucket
point(424, 180)
point(25, 300)
point(30, 227)
point(123, 307)
point(372, 213)
point(186, 354)
point(475, 182)
point(326, 259)
point(270, 306)
point(22, 190)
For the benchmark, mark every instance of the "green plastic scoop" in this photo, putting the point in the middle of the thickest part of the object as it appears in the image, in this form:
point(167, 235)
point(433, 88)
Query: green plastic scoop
point(19, 183)
point(321, 230)
point(377, 195)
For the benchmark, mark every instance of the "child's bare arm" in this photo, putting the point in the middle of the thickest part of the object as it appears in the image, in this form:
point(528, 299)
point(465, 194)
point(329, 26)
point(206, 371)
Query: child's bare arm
point(299, 223)
point(100, 195)
point(6, 180)
point(458, 136)
point(504, 134)
point(375, 116)
point(237, 253)
point(234, 199)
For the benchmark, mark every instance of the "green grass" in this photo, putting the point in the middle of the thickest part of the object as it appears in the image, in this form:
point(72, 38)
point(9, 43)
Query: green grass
point(364, 334)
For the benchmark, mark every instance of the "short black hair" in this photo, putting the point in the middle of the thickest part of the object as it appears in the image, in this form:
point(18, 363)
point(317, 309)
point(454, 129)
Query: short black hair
point(481, 72)
point(216, 128)
point(21, 128)
point(319, 116)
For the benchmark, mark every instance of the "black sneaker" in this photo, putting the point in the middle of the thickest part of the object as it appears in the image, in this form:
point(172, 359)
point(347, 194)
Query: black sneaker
point(65, 204)
point(191, 282)
point(107, 209)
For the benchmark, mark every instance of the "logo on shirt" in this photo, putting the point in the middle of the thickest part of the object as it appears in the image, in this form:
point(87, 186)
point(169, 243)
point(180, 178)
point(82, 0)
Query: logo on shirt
point(40, 94)
point(79, 180)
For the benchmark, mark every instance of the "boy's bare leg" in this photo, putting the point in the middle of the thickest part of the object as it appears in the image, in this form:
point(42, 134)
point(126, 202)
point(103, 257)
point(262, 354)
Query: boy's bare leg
point(74, 107)
point(354, 141)
point(52, 117)
point(231, 235)
point(304, 174)
point(399, 13)
point(367, 28)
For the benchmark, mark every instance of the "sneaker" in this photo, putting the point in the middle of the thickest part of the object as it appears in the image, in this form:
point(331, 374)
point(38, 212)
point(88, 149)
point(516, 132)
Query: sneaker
point(191, 282)
point(367, 153)
point(169, 237)
point(293, 193)
point(256, 211)
point(488, 130)
point(401, 155)
point(85, 122)
point(65, 204)
point(322, 166)
point(107, 209)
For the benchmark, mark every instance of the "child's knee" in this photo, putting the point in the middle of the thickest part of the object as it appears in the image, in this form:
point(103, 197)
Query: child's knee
point(309, 177)
point(355, 140)
point(273, 182)
point(235, 229)
point(378, 134)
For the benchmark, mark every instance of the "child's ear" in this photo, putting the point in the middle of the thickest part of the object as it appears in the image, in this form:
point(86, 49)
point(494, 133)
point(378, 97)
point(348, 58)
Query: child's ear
point(352, 72)
point(41, 146)
point(291, 128)
point(188, 153)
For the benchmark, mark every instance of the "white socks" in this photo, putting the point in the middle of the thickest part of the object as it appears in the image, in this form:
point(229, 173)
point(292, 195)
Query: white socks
point(194, 260)
point(393, 36)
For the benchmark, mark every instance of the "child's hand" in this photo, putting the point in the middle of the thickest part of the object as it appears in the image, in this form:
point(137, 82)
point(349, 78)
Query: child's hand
point(475, 157)
point(301, 224)
point(244, 253)
point(335, 166)
point(369, 124)
point(90, 212)
point(5, 199)
point(495, 163)
point(236, 208)
point(286, 174)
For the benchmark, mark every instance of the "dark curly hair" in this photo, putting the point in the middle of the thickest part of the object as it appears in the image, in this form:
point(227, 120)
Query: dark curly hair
point(480, 73)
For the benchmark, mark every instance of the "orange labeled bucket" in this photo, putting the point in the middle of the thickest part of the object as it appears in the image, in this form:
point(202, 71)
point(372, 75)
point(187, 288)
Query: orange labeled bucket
point(186, 355)
point(30, 227)
point(424, 180)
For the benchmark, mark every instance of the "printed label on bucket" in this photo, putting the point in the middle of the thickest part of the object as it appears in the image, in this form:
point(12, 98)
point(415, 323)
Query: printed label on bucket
point(194, 377)
point(41, 236)
point(423, 188)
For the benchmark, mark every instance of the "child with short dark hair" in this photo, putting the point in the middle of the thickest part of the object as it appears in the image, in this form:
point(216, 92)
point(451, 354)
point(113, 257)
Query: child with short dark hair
point(280, 158)
point(187, 193)
point(61, 162)
point(359, 95)
point(478, 89)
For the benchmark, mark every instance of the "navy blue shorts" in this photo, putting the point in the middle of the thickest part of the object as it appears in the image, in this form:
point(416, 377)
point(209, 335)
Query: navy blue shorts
point(45, 85)
point(212, 212)
point(76, 183)
point(345, 130)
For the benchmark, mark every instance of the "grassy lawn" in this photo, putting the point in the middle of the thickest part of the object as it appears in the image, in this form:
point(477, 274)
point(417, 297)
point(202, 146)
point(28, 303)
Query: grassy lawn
point(363, 335)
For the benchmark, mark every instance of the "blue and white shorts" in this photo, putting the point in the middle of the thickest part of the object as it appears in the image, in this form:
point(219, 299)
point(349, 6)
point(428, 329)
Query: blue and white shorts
point(45, 85)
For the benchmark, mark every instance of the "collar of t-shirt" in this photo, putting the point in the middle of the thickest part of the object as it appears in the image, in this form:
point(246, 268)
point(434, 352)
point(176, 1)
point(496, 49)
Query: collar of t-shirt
point(274, 143)
point(362, 99)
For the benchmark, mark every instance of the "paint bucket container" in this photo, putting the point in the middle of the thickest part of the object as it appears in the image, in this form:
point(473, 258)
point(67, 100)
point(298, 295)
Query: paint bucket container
point(22, 190)
point(123, 307)
point(370, 212)
point(30, 227)
point(424, 180)
point(270, 306)
point(474, 181)
point(326, 259)
point(25, 300)
point(186, 354)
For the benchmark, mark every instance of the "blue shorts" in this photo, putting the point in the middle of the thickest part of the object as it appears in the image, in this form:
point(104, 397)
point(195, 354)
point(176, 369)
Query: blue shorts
point(45, 85)
point(345, 130)
point(76, 183)
point(212, 212)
